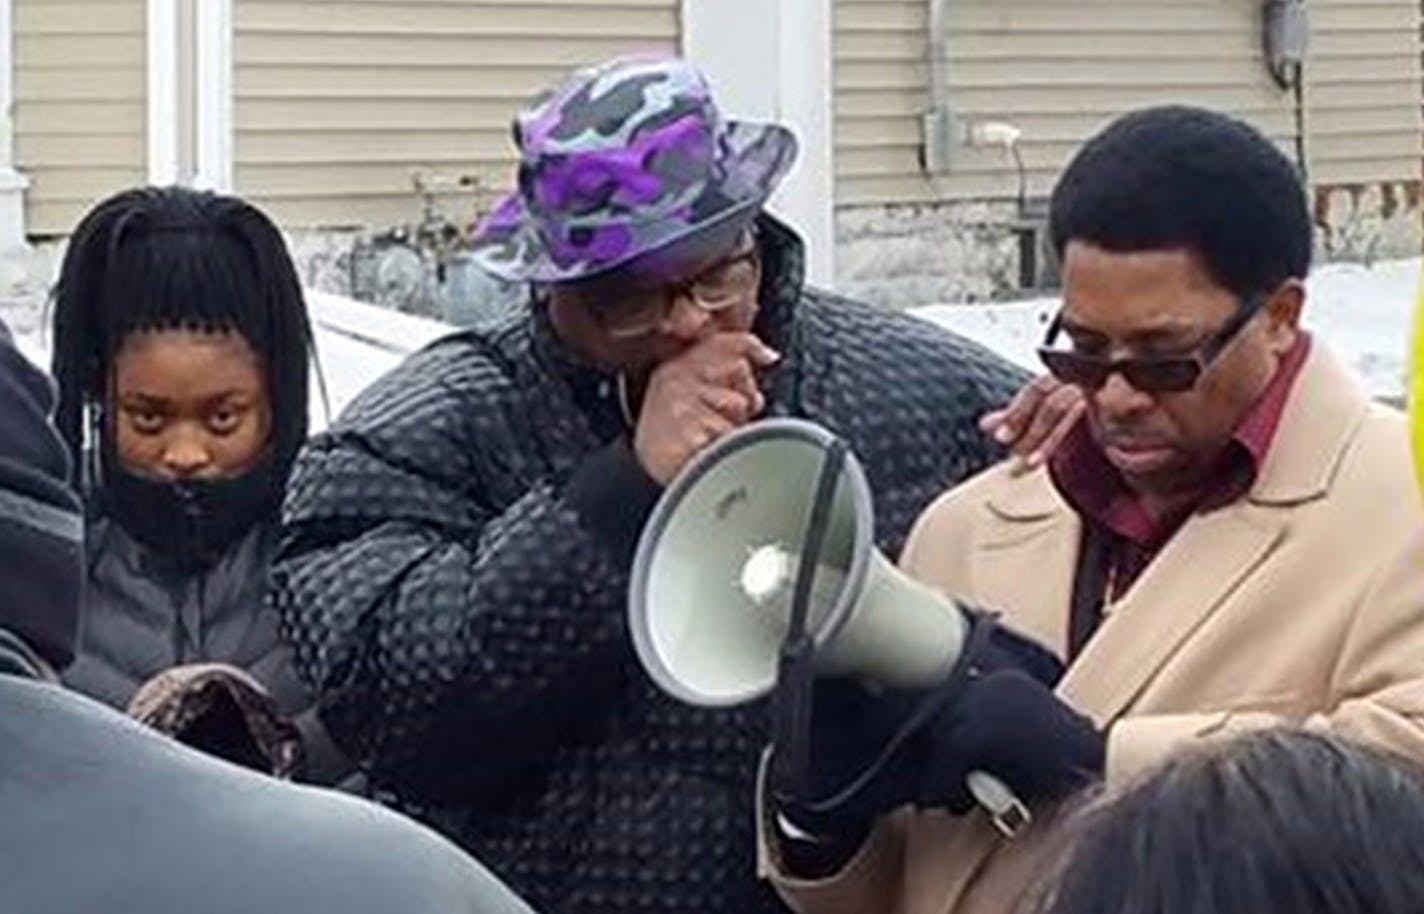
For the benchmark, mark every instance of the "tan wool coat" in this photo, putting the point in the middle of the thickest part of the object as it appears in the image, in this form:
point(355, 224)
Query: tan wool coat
point(1301, 603)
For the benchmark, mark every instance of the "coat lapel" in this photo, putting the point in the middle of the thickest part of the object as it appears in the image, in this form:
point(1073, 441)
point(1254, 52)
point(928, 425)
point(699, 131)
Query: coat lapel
point(1026, 557)
point(1202, 565)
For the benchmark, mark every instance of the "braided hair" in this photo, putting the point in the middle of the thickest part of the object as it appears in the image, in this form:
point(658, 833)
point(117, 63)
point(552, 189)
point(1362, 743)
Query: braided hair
point(153, 259)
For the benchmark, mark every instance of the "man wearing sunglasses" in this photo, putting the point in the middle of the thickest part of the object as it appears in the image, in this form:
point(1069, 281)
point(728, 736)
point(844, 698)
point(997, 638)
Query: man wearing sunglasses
point(456, 568)
point(1231, 538)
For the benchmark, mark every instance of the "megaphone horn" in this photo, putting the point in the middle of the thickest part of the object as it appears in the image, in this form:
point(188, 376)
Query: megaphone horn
point(716, 567)
point(718, 576)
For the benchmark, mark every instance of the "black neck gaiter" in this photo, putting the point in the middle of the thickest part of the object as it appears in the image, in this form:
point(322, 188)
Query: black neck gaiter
point(194, 521)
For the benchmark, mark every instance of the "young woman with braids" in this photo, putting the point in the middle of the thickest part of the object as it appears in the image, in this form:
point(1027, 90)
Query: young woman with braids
point(182, 351)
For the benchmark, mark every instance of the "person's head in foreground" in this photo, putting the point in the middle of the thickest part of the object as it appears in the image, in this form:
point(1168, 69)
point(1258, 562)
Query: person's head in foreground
point(1185, 240)
point(181, 349)
point(1275, 822)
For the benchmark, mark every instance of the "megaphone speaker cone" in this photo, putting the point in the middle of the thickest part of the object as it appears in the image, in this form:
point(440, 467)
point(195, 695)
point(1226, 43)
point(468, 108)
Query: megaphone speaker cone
point(714, 574)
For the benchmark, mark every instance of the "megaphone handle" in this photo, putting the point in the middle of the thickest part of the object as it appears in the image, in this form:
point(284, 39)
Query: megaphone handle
point(815, 539)
point(792, 734)
point(791, 717)
point(791, 705)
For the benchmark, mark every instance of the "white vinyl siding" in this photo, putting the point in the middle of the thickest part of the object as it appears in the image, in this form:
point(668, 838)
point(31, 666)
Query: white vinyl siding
point(80, 115)
point(338, 103)
point(1060, 71)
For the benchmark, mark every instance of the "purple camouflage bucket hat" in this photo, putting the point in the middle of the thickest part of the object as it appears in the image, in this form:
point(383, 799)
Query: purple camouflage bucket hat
point(625, 158)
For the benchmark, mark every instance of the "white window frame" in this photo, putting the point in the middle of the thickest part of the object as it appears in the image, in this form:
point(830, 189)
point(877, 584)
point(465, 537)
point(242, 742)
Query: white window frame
point(771, 61)
point(12, 183)
point(190, 93)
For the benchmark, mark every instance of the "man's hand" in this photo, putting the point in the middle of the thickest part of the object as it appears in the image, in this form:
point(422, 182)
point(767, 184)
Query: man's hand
point(853, 725)
point(1036, 420)
point(1009, 724)
point(697, 397)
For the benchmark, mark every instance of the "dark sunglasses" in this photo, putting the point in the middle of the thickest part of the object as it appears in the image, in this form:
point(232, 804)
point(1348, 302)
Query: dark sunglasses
point(1169, 374)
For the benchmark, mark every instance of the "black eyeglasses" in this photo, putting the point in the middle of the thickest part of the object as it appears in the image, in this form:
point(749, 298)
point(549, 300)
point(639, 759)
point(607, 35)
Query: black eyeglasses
point(724, 284)
point(1169, 374)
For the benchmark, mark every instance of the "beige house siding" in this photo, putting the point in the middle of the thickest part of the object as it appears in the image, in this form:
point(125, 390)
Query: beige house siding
point(1363, 92)
point(337, 103)
point(1059, 71)
point(80, 116)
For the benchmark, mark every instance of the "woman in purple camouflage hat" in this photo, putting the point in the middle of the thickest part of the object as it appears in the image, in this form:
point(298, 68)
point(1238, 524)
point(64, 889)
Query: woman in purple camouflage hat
point(455, 567)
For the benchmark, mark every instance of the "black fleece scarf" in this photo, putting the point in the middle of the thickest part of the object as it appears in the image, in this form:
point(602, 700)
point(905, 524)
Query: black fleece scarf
point(192, 522)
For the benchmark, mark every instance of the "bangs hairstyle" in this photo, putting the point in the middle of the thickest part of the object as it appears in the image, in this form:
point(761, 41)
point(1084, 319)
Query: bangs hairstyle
point(155, 259)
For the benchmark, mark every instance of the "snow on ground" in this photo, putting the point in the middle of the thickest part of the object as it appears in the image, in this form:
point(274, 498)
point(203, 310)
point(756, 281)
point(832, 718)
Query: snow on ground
point(1362, 313)
point(356, 343)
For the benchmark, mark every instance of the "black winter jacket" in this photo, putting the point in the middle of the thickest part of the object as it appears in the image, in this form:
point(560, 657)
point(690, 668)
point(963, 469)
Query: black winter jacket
point(465, 626)
point(145, 612)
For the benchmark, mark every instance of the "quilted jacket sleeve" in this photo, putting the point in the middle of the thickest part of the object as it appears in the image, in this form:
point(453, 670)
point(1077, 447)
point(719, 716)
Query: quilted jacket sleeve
point(449, 640)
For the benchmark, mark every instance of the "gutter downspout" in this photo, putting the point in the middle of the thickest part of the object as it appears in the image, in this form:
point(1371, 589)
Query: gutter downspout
point(937, 129)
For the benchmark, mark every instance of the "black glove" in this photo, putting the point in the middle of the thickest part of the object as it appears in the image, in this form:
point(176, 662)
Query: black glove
point(1010, 725)
point(869, 748)
point(851, 729)
point(1006, 649)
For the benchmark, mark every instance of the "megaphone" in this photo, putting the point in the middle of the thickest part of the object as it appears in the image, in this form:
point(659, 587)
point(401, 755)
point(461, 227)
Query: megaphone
point(713, 577)
point(718, 578)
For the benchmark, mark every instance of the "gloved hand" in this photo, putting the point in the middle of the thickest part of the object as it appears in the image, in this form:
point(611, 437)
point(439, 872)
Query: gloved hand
point(1007, 649)
point(852, 728)
point(855, 773)
point(869, 748)
point(1008, 724)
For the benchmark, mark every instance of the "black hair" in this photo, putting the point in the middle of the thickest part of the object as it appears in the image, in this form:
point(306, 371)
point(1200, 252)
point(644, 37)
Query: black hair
point(1185, 178)
point(1276, 822)
point(178, 259)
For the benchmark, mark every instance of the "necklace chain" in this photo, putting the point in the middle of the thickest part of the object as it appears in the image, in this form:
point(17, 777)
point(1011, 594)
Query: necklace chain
point(625, 406)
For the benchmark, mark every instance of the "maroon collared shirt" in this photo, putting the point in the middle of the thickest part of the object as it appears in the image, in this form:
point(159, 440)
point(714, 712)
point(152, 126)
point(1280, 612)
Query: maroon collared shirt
point(1120, 536)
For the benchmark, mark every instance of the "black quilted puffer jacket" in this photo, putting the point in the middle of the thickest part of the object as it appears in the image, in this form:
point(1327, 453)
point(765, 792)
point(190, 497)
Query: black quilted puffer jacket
point(464, 625)
point(145, 613)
